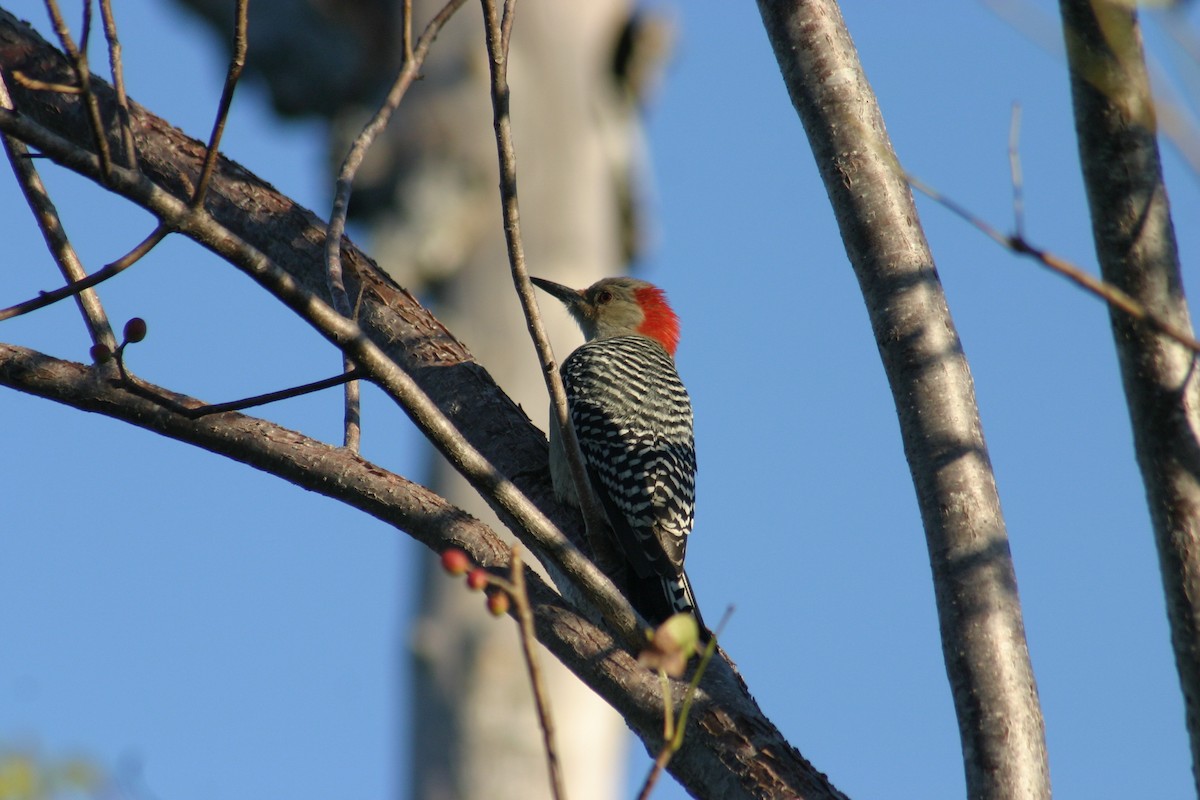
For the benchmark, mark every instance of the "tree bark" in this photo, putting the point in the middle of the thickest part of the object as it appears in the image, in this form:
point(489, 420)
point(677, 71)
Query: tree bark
point(1135, 244)
point(983, 636)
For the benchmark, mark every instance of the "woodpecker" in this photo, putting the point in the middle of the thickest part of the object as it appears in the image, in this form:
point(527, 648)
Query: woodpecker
point(633, 418)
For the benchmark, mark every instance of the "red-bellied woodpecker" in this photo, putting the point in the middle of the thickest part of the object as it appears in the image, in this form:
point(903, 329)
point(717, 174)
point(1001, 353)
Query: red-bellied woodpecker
point(633, 419)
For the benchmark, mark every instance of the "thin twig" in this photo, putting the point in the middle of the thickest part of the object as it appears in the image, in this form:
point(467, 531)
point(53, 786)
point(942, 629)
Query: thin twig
point(44, 86)
point(287, 454)
point(79, 64)
point(506, 26)
point(53, 232)
point(413, 59)
point(406, 29)
point(541, 696)
point(1014, 165)
point(236, 64)
point(1077, 275)
point(104, 273)
point(116, 67)
point(87, 26)
point(672, 730)
point(456, 562)
point(135, 385)
point(497, 40)
point(352, 414)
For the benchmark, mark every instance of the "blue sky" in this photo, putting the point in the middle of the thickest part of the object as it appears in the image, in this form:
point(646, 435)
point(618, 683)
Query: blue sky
point(205, 630)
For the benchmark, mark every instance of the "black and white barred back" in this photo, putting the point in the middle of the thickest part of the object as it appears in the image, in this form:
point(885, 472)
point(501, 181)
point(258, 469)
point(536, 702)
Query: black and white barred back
point(633, 419)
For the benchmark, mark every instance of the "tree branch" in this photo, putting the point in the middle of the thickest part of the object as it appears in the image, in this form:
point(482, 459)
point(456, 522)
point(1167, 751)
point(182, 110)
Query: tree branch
point(413, 59)
point(983, 637)
point(55, 235)
point(1135, 245)
point(732, 751)
point(497, 30)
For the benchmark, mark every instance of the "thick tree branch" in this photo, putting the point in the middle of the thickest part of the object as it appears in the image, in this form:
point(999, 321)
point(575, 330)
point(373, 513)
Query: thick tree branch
point(732, 751)
point(293, 282)
point(334, 472)
point(1135, 244)
point(983, 637)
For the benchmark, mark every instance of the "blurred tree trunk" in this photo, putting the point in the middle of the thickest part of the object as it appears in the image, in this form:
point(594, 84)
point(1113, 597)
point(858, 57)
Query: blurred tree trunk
point(436, 196)
point(1135, 245)
point(428, 192)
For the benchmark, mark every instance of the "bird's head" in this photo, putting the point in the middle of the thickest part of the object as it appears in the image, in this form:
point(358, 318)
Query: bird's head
point(619, 307)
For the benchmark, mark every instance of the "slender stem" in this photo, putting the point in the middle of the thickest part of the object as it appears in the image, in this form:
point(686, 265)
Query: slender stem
point(44, 86)
point(413, 59)
point(541, 696)
point(79, 64)
point(54, 233)
point(498, 32)
point(236, 64)
point(1108, 292)
point(144, 390)
point(406, 29)
point(99, 276)
point(118, 75)
point(87, 26)
point(672, 730)
point(1014, 165)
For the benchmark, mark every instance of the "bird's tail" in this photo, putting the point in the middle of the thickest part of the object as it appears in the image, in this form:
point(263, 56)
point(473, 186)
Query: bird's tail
point(667, 596)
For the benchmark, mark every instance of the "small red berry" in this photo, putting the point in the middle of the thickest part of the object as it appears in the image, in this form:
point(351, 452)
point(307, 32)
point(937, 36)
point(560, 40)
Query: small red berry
point(497, 603)
point(135, 330)
point(455, 561)
point(477, 578)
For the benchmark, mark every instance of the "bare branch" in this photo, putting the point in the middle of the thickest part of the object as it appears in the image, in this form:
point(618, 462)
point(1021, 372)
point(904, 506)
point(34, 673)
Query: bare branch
point(1115, 125)
point(79, 65)
point(117, 69)
point(135, 385)
point(498, 32)
point(44, 86)
point(983, 635)
point(541, 696)
point(236, 64)
point(413, 59)
point(83, 284)
point(1014, 166)
point(406, 14)
point(54, 233)
point(1109, 293)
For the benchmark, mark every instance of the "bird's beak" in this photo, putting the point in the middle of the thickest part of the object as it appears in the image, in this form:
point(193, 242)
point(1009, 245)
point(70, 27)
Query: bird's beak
point(571, 297)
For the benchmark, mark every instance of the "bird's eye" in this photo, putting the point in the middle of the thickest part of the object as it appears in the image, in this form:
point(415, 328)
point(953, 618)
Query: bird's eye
point(603, 297)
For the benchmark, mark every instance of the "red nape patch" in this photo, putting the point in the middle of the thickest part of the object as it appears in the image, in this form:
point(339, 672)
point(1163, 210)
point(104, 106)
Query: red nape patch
point(660, 322)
